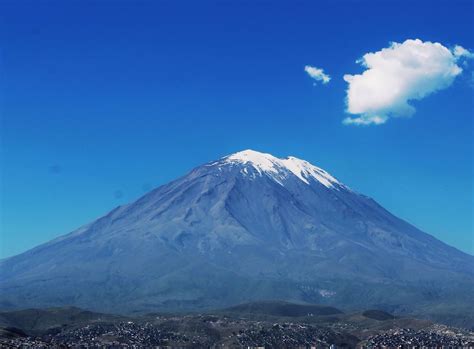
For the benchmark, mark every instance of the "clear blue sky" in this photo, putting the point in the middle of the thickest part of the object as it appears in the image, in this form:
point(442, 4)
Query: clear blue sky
point(103, 100)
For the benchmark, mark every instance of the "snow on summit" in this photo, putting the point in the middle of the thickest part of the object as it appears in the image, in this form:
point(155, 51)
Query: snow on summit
point(262, 162)
point(278, 169)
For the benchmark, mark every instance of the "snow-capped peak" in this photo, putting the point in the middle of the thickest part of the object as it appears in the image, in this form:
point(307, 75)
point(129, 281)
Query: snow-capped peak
point(262, 162)
point(278, 168)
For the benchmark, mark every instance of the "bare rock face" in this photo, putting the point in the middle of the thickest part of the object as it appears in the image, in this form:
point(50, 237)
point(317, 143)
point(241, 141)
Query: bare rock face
point(246, 227)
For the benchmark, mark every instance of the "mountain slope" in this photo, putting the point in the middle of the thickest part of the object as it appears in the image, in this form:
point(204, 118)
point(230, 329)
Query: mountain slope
point(246, 227)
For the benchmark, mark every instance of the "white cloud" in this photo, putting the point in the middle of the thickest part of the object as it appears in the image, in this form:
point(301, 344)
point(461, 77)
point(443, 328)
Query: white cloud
point(317, 74)
point(460, 51)
point(397, 75)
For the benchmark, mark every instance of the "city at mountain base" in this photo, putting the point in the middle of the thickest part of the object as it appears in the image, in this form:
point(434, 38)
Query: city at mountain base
point(258, 324)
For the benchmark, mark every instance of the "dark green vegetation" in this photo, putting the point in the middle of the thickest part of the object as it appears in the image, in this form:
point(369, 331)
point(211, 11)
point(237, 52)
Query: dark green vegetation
point(283, 309)
point(36, 321)
point(270, 324)
point(377, 315)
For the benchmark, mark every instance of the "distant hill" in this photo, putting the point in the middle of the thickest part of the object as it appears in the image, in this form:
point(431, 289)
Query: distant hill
point(377, 315)
point(280, 308)
point(39, 320)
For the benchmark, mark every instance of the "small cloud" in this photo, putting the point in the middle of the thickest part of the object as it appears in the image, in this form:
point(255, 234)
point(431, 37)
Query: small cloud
point(397, 75)
point(317, 74)
point(460, 51)
point(366, 120)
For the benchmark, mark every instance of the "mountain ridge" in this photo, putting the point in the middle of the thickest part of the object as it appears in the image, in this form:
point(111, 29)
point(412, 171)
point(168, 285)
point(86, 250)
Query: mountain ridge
point(246, 227)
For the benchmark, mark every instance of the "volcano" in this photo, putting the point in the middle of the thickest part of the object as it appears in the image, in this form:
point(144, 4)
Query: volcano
point(246, 227)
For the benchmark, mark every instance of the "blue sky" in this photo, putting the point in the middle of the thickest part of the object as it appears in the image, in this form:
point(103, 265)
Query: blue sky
point(104, 100)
